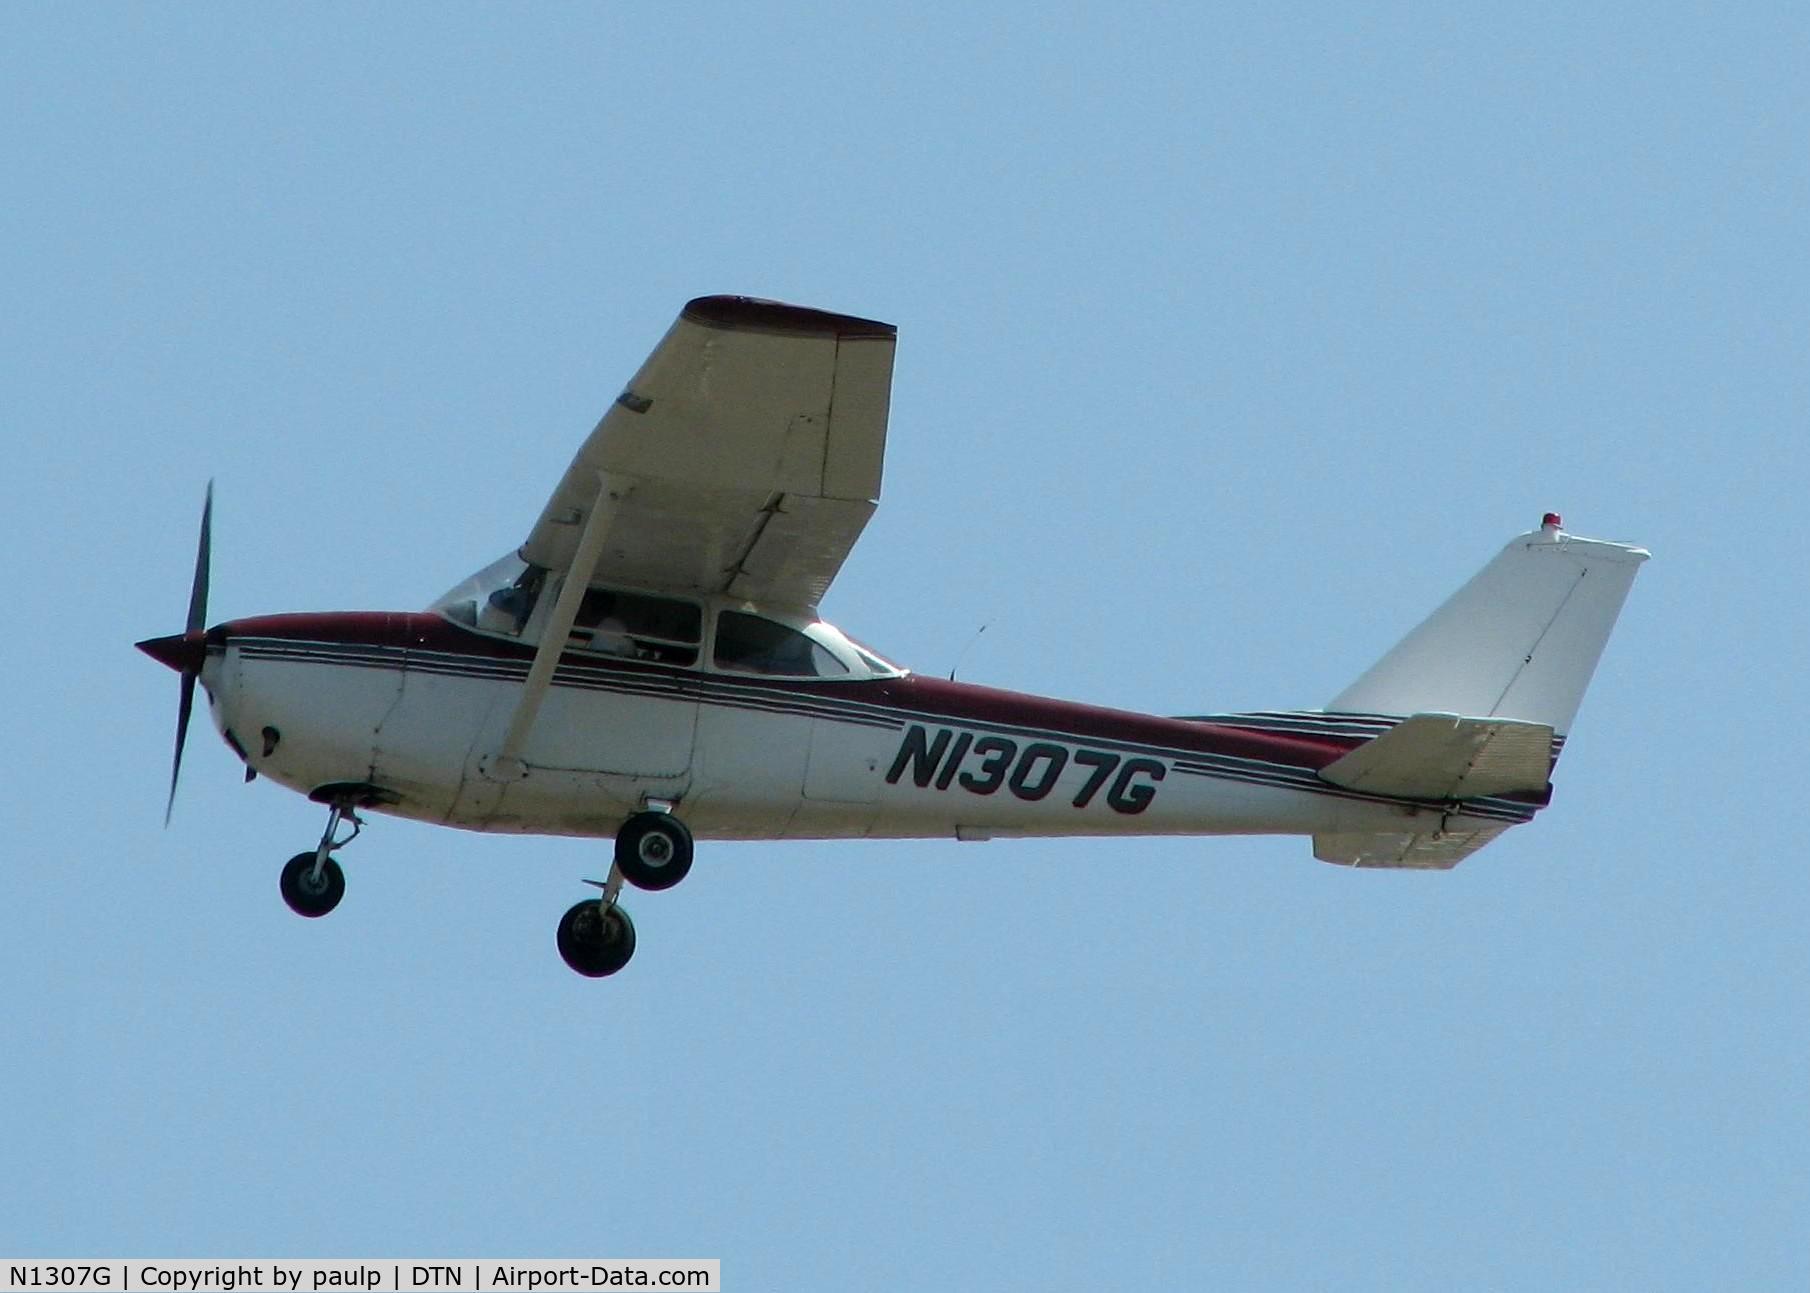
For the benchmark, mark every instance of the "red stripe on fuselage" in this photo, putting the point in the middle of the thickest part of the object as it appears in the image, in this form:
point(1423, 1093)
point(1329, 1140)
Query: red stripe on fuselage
point(993, 707)
point(912, 698)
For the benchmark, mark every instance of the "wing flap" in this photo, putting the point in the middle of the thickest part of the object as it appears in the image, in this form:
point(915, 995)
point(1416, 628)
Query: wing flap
point(800, 542)
point(1444, 756)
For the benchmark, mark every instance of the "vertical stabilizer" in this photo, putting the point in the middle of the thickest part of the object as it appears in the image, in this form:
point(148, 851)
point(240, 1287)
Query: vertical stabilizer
point(1519, 641)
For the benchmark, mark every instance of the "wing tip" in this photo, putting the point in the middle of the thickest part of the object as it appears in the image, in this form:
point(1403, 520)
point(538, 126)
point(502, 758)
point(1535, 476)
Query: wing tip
point(752, 314)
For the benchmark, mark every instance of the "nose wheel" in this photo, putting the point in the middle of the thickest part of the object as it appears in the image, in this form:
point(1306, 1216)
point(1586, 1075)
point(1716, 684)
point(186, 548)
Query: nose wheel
point(312, 887)
point(312, 883)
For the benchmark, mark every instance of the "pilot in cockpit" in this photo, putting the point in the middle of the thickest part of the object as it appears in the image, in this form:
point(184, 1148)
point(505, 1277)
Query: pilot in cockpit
point(611, 635)
point(602, 618)
point(507, 609)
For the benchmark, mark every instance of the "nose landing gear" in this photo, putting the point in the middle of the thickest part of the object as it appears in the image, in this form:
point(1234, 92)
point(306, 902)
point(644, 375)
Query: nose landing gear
point(312, 882)
point(312, 885)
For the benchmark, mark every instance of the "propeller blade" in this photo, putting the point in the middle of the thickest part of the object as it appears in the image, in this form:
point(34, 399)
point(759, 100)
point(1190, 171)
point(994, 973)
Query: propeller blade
point(189, 651)
point(203, 557)
point(182, 735)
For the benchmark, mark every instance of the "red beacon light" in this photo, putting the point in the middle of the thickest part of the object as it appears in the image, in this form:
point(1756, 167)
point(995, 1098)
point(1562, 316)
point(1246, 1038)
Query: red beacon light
point(1551, 523)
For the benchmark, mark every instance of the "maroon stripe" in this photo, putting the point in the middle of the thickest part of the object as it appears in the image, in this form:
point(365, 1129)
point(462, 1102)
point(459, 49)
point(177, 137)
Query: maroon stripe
point(422, 629)
point(912, 697)
point(751, 314)
point(989, 705)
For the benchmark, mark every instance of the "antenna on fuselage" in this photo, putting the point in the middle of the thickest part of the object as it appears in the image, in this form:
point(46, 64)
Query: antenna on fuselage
point(962, 654)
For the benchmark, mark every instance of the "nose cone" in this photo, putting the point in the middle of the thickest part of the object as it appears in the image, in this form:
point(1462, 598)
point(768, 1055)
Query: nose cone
point(183, 652)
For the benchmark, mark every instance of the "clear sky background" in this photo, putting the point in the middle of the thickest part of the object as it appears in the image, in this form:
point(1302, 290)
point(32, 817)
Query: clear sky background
point(1231, 339)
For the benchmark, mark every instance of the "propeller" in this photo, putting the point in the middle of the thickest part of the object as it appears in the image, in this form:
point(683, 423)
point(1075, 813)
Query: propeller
point(186, 652)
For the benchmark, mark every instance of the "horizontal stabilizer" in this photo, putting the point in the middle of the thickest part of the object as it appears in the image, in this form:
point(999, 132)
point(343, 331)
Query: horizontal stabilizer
point(1428, 851)
point(1443, 756)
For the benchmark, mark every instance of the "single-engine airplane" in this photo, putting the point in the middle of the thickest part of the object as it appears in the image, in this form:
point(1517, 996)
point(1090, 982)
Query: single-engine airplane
point(650, 666)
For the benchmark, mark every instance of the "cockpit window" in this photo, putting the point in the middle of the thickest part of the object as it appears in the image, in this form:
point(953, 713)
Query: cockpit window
point(498, 599)
point(507, 609)
point(639, 626)
point(875, 662)
point(502, 598)
point(751, 644)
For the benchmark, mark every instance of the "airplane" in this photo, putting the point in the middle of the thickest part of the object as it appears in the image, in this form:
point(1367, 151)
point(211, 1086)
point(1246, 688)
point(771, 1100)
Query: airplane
point(650, 666)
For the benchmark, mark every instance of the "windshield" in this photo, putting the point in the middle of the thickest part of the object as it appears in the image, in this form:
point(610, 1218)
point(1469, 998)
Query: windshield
point(498, 599)
point(875, 663)
point(872, 658)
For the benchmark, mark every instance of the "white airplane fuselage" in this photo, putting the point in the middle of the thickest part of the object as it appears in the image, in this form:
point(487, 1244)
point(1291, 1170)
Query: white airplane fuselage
point(414, 705)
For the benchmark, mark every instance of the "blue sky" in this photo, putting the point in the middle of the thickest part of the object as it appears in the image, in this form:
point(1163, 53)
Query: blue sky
point(1231, 340)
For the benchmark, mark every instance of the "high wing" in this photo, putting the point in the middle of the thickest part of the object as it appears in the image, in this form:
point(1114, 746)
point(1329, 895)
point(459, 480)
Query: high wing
point(744, 458)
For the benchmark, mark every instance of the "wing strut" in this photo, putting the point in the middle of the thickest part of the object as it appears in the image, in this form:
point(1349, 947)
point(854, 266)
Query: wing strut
point(506, 766)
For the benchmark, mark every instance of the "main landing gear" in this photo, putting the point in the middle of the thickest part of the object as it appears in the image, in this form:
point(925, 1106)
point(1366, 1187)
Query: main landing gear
point(653, 852)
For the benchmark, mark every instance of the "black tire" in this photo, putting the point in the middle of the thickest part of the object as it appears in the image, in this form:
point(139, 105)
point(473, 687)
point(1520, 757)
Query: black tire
point(653, 851)
point(594, 942)
point(318, 898)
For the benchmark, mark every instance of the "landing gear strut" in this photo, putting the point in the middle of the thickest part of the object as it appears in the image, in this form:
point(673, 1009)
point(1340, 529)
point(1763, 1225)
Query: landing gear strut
point(653, 851)
point(312, 882)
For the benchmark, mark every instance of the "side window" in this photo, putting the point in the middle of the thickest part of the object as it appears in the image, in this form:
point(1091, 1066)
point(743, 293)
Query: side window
point(638, 626)
point(750, 644)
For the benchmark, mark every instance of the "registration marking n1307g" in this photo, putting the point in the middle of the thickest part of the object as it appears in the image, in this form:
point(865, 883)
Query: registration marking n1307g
point(1029, 771)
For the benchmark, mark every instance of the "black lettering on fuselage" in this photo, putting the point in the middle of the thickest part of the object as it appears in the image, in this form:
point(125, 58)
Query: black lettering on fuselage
point(993, 767)
point(1102, 764)
point(1054, 758)
point(1127, 798)
point(1031, 772)
point(947, 775)
point(918, 751)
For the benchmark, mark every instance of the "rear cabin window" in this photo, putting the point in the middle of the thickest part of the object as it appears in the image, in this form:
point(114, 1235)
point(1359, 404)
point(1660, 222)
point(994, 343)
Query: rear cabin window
point(639, 627)
point(750, 644)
